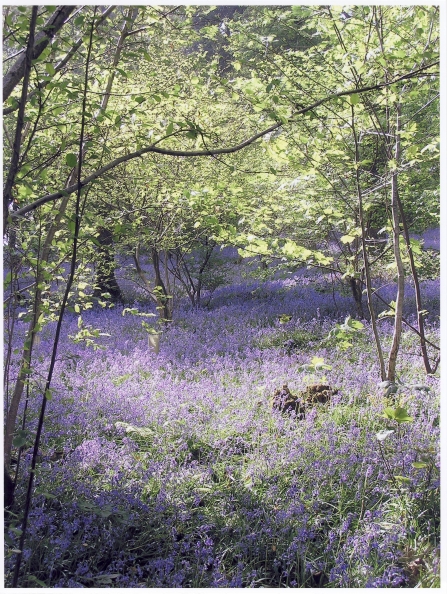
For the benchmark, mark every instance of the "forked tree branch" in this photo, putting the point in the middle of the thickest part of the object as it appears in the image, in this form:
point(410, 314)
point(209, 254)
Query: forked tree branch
point(42, 39)
point(63, 62)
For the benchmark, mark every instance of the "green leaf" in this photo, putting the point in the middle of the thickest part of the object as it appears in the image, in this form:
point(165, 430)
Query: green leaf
point(420, 464)
point(50, 69)
point(319, 363)
point(354, 324)
point(390, 312)
point(416, 247)
point(284, 318)
point(398, 414)
point(401, 415)
point(388, 413)
point(353, 99)
point(71, 159)
point(402, 479)
point(47, 495)
point(347, 238)
point(170, 128)
point(20, 439)
point(71, 226)
point(35, 580)
point(139, 99)
point(10, 543)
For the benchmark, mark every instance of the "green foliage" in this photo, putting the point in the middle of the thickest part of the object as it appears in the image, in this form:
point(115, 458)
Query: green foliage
point(343, 334)
point(152, 330)
point(316, 364)
point(428, 263)
point(22, 438)
point(398, 414)
point(87, 335)
point(284, 318)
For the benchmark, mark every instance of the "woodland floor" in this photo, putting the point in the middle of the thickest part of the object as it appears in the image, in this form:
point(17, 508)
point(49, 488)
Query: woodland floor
point(178, 470)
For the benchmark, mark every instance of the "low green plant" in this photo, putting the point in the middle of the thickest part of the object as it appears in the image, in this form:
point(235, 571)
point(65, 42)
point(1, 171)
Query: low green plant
point(343, 334)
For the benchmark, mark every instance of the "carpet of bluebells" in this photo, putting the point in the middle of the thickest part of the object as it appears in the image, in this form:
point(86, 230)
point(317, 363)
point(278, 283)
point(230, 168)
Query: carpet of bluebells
point(174, 470)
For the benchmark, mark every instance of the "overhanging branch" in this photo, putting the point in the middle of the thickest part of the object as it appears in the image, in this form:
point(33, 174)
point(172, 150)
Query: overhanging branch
point(154, 148)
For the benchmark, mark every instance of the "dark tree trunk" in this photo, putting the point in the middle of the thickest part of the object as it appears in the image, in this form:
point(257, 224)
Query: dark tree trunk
point(356, 288)
point(9, 486)
point(105, 281)
point(264, 265)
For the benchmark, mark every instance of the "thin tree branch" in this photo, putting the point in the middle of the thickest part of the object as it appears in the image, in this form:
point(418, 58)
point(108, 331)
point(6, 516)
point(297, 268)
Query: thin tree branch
point(14, 166)
point(42, 39)
point(63, 62)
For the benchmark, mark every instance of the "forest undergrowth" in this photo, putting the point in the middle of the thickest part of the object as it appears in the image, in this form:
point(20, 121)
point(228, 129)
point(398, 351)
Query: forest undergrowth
point(178, 470)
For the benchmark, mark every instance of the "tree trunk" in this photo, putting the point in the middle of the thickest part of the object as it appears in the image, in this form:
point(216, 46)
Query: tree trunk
point(105, 281)
point(392, 358)
point(365, 253)
point(357, 293)
point(164, 300)
point(8, 487)
point(417, 290)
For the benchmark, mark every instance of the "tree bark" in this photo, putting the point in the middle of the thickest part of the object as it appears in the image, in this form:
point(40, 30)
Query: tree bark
point(8, 488)
point(158, 293)
point(357, 293)
point(417, 289)
point(164, 300)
